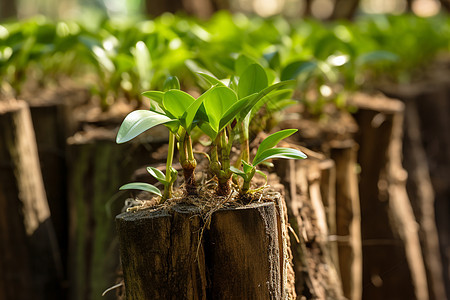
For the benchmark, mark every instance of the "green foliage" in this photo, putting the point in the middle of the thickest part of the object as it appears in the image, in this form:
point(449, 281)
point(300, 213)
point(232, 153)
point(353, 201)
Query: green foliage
point(265, 152)
point(141, 186)
point(137, 122)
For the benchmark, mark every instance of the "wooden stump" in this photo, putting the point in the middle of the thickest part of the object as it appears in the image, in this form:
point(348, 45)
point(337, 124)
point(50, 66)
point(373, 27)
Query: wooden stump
point(97, 168)
point(316, 274)
point(420, 188)
point(242, 253)
point(239, 255)
point(427, 160)
point(162, 257)
point(393, 265)
point(348, 217)
point(29, 258)
point(53, 122)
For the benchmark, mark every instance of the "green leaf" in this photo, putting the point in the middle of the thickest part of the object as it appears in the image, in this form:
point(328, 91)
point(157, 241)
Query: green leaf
point(157, 96)
point(191, 111)
point(274, 60)
point(252, 80)
point(173, 125)
point(144, 63)
point(232, 112)
point(242, 63)
point(171, 83)
point(274, 100)
point(157, 174)
point(247, 167)
point(210, 79)
point(271, 153)
point(177, 102)
point(238, 172)
point(137, 122)
point(141, 186)
point(295, 69)
point(217, 102)
point(374, 57)
point(208, 130)
point(252, 101)
point(273, 139)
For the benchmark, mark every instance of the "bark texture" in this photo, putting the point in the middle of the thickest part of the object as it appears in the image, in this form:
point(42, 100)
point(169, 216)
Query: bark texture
point(316, 275)
point(162, 257)
point(173, 254)
point(30, 262)
point(393, 266)
point(97, 168)
point(348, 217)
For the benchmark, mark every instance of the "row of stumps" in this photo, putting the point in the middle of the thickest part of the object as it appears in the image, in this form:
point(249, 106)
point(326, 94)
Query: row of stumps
point(174, 255)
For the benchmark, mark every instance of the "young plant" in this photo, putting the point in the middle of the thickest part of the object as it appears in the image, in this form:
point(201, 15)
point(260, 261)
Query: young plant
point(227, 112)
point(134, 124)
point(265, 152)
point(176, 109)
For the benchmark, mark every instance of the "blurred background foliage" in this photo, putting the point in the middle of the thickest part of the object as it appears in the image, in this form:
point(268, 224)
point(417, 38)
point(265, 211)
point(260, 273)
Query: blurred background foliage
point(328, 46)
point(321, 9)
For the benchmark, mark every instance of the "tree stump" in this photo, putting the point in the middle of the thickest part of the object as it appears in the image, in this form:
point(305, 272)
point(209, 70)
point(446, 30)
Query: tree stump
point(316, 275)
point(427, 160)
point(30, 263)
point(162, 256)
point(97, 168)
point(238, 256)
point(348, 217)
point(420, 188)
point(242, 253)
point(53, 122)
point(393, 265)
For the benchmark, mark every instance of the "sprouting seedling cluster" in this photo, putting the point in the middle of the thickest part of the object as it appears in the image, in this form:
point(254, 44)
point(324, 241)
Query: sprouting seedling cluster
point(223, 113)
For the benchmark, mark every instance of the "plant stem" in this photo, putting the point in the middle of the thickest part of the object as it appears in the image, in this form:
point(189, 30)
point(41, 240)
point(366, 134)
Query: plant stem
point(245, 148)
point(224, 179)
point(168, 188)
point(188, 162)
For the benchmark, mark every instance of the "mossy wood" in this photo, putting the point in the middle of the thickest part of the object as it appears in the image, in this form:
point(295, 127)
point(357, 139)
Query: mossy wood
point(393, 265)
point(97, 166)
point(239, 256)
point(29, 258)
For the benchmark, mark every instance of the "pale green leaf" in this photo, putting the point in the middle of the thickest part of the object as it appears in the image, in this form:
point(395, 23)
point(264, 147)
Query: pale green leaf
point(247, 167)
point(157, 174)
point(171, 83)
point(271, 153)
point(273, 139)
point(210, 79)
point(238, 172)
point(137, 122)
point(141, 186)
point(156, 96)
point(376, 57)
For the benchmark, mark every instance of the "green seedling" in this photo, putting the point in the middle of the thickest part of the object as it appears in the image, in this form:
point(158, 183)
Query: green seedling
point(227, 112)
point(265, 152)
point(176, 110)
